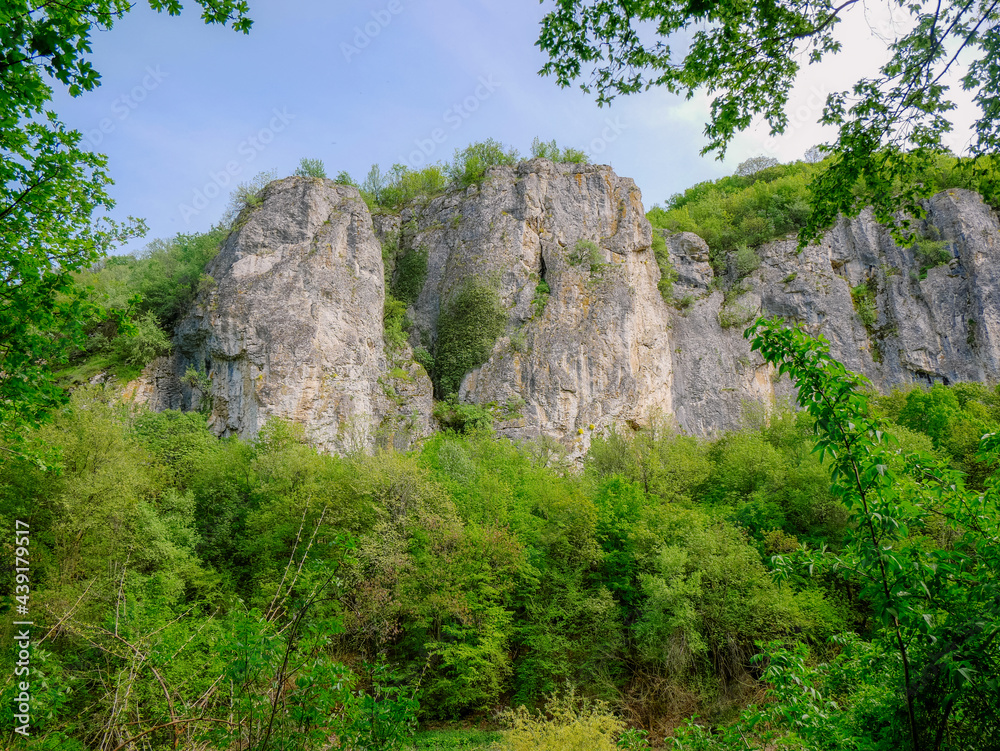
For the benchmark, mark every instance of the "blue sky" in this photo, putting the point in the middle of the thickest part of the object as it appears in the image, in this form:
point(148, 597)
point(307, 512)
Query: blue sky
point(186, 111)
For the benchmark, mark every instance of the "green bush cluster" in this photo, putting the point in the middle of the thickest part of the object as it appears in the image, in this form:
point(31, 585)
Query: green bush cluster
point(668, 275)
point(586, 253)
point(739, 210)
point(484, 572)
point(930, 251)
point(395, 323)
point(148, 292)
point(541, 298)
point(734, 314)
point(470, 323)
point(865, 304)
point(310, 168)
point(550, 150)
point(470, 165)
point(410, 274)
point(143, 344)
point(566, 722)
point(771, 200)
point(744, 261)
point(400, 185)
point(245, 198)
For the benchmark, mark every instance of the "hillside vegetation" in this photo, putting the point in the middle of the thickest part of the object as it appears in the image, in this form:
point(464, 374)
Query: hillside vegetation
point(750, 208)
point(210, 590)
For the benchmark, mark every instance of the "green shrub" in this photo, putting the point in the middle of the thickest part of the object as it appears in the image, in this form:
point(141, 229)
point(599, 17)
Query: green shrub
point(863, 297)
point(400, 185)
point(744, 261)
point(586, 253)
point(755, 164)
point(146, 342)
point(470, 165)
point(736, 315)
point(344, 178)
point(405, 185)
point(169, 274)
point(310, 168)
point(462, 417)
point(929, 251)
point(395, 323)
point(469, 325)
point(667, 273)
point(568, 723)
point(246, 197)
point(540, 299)
point(519, 341)
point(410, 275)
point(550, 150)
point(685, 302)
point(740, 210)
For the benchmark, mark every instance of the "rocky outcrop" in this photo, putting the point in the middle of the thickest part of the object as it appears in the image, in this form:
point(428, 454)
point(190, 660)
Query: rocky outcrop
point(292, 328)
point(938, 326)
point(593, 349)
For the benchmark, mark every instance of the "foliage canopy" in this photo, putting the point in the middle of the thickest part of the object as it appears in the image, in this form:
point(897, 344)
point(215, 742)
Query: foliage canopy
point(53, 193)
point(891, 124)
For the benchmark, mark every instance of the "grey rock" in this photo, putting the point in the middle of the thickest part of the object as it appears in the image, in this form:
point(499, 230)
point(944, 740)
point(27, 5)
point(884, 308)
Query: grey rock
point(598, 352)
point(293, 329)
point(942, 329)
point(690, 255)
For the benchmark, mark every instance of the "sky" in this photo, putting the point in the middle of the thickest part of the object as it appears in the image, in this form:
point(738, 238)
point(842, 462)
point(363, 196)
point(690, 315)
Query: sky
point(187, 111)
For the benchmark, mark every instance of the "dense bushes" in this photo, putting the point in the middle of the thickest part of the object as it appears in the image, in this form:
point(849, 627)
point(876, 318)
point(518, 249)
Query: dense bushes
point(470, 574)
point(393, 189)
point(470, 165)
point(740, 210)
point(550, 150)
point(766, 201)
point(148, 292)
point(469, 325)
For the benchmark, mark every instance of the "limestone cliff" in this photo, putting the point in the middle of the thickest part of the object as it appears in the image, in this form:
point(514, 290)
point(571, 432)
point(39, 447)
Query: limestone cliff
point(592, 351)
point(942, 328)
point(293, 326)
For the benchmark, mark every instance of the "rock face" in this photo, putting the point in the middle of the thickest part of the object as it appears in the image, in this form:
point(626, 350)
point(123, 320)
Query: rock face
point(293, 329)
point(592, 351)
point(293, 326)
point(942, 328)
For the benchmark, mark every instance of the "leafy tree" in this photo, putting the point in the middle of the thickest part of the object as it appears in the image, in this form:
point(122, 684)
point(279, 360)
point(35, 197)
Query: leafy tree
point(551, 150)
point(51, 190)
point(245, 197)
point(470, 165)
point(937, 606)
point(146, 342)
point(471, 322)
point(310, 168)
point(755, 164)
point(344, 178)
point(891, 124)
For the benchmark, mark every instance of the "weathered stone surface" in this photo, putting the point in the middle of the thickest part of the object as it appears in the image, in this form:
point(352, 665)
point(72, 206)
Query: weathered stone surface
point(690, 255)
point(924, 331)
point(293, 328)
point(598, 352)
